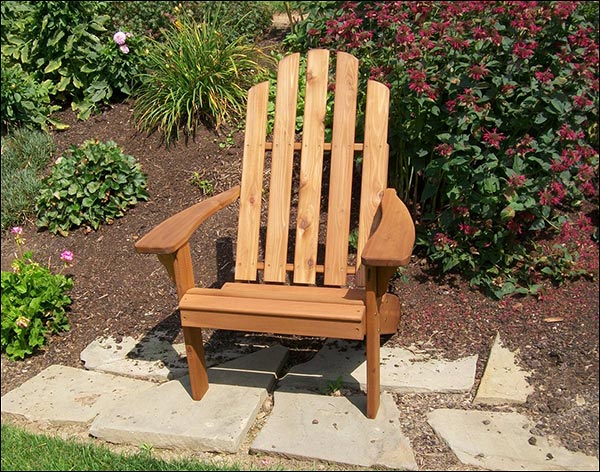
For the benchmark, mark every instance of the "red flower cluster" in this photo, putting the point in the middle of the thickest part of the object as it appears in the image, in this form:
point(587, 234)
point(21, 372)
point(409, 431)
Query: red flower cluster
point(493, 137)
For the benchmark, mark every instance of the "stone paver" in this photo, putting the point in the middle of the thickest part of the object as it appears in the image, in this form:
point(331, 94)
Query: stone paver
point(502, 441)
point(335, 429)
point(65, 395)
point(503, 381)
point(166, 416)
point(302, 423)
point(152, 357)
point(401, 370)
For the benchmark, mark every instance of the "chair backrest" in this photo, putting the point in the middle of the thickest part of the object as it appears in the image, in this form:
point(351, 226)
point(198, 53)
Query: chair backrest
point(339, 157)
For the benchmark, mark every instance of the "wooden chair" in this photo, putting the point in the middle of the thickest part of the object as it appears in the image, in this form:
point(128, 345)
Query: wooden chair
point(385, 235)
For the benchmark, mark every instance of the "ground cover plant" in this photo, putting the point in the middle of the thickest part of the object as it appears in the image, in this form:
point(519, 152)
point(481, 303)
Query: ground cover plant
point(94, 184)
point(34, 301)
point(25, 157)
point(493, 129)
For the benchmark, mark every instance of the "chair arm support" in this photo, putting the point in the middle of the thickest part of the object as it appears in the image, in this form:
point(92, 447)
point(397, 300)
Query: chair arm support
point(392, 242)
point(170, 235)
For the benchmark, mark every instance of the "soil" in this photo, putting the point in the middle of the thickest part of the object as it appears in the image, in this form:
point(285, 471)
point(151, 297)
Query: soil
point(121, 293)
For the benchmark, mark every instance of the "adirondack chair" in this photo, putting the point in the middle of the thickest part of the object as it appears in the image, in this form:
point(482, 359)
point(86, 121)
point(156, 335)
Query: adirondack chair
point(385, 236)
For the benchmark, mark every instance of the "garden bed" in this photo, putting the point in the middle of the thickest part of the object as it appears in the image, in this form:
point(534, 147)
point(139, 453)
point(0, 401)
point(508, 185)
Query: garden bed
point(121, 293)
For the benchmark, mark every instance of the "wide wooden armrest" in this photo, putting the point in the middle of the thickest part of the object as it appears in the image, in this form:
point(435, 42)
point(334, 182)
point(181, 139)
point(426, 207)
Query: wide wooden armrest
point(392, 242)
point(173, 233)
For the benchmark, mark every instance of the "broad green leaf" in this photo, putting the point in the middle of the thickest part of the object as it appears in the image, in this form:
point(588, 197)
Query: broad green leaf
point(52, 66)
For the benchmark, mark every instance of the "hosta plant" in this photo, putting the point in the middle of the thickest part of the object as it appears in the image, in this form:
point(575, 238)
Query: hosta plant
point(34, 302)
point(94, 184)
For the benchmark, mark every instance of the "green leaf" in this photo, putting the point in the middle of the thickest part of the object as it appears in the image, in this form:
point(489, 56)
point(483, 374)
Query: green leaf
point(52, 66)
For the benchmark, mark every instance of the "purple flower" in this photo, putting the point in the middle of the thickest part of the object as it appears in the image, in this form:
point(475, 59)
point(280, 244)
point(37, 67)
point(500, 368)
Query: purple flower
point(124, 48)
point(67, 256)
point(120, 38)
point(17, 230)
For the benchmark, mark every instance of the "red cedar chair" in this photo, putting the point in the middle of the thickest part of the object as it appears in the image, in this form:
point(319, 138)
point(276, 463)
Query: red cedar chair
point(385, 236)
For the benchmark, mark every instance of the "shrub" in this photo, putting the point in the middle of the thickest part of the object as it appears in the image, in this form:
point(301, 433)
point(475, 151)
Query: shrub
point(93, 185)
point(67, 45)
point(34, 302)
point(25, 155)
point(196, 77)
point(25, 102)
point(493, 122)
point(251, 19)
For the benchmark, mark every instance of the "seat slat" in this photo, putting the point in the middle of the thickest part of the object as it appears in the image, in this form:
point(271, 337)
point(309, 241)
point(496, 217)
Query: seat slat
point(375, 166)
point(345, 296)
point(311, 167)
point(342, 158)
point(252, 183)
point(281, 169)
point(276, 325)
point(307, 310)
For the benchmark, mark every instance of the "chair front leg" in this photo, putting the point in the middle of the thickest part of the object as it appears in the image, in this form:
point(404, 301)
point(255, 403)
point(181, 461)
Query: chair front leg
point(179, 267)
point(376, 288)
point(373, 350)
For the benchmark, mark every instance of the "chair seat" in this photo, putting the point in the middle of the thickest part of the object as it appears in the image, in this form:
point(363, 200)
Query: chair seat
point(301, 310)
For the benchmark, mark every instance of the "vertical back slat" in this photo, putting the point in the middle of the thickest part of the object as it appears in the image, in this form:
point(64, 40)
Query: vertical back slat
point(311, 167)
point(375, 165)
point(342, 158)
point(281, 169)
point(252, 182)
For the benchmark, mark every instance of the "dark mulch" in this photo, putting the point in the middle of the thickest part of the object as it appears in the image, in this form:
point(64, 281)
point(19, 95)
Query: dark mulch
point(121, 293)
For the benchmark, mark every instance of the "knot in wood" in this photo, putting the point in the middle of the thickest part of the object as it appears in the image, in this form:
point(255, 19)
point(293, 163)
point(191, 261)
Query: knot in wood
point(303, 224)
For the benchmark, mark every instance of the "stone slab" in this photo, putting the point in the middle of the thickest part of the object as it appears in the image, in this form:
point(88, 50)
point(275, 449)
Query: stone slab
point(167, 417)
point(151, 357)
point(503, 381)
point(501, 441)
point(335, 429)
point(401, 370)
point(66, 395)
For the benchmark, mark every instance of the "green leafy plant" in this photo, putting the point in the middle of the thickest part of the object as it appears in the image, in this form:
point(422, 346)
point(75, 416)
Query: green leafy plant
point(92, 185)
point(493, 124)
point(25, 102)
point(251, 19)
point(196, 76)
point(34, 302)
point(205, 185)
point(25, 155)
point(70, 55)
point(334, 386)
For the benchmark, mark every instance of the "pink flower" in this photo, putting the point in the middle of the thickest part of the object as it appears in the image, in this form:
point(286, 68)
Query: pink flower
point(124, 48)
point(444, 149)
point(440, 241)
point(567, 134)
point(493, 138)
point(524, 50)
point(67, 256)
point(467, 229)
point(120, 38)
point(581, 101)
point(516, 181)
point(478, 71)
point(17, 230)
point(545, 76)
